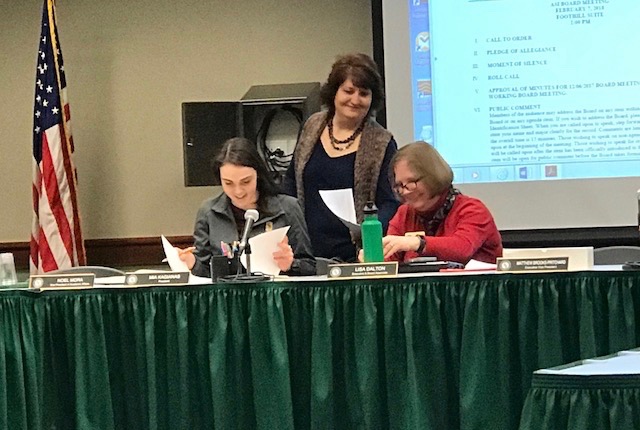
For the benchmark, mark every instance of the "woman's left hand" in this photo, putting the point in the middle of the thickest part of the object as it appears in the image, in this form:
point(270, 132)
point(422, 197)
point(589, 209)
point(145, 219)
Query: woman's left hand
point(284, 255)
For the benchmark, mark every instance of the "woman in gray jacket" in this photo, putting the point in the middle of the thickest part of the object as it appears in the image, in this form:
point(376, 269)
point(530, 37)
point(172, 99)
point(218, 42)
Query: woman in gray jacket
point(246, 184)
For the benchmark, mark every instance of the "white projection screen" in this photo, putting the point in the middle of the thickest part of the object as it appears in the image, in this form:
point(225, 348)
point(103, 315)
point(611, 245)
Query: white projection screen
point(536, 105)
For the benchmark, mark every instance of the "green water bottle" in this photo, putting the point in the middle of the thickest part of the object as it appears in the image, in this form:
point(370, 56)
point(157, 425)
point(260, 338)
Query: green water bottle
point(372, 235)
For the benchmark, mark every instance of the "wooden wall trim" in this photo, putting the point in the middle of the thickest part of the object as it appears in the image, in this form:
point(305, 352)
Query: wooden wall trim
point(136, 251)
point(147, 251)
point(20, 251)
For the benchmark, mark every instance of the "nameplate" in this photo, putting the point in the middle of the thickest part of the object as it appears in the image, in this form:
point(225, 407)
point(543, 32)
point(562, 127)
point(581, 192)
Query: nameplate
point(353, 270)
point(580, 258)
point(532, 264)
point(62, 282)
point(158, 278)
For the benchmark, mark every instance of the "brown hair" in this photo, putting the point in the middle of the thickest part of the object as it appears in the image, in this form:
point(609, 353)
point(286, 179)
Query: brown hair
point(427, 163)
point(363, 72)
point(242, 152)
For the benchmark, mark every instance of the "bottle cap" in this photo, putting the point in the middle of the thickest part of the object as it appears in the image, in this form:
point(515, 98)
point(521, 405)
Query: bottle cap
point(370, 208)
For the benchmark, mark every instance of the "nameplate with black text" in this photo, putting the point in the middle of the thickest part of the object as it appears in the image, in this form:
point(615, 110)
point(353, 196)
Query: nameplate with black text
point(532, 264)
point(353, 270)
point(63, 282)
point(156, 278)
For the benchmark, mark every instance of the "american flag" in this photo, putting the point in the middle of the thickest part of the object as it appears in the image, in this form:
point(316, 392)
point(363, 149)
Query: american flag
point(56, 238)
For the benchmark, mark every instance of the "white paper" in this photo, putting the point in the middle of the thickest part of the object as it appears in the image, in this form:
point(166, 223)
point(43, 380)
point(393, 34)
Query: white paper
point(198, 280)
point(340, 202)
point(176, 264)
point(479, 265)
point(626, 363)
point(110, 280)
point(262, 248)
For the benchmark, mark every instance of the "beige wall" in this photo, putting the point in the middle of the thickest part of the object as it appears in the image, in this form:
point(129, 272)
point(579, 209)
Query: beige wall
point(129, 67)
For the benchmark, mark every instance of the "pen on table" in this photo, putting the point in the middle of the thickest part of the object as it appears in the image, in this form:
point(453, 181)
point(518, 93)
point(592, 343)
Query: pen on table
point(182, 251)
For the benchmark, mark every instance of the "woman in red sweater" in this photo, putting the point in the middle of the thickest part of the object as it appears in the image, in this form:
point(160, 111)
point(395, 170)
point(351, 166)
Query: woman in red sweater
point(435, 219)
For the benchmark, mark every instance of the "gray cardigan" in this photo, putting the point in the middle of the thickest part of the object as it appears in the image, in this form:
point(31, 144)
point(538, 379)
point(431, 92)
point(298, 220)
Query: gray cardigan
point(215, 223)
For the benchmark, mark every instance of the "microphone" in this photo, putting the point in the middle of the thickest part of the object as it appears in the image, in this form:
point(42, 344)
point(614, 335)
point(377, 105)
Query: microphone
point(250, 217)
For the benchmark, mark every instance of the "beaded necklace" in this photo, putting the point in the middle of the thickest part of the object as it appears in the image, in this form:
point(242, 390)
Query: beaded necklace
point(341, 145)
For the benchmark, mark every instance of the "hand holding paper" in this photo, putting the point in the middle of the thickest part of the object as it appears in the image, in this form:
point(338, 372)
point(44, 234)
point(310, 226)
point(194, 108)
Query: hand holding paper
point(284, 255)
point(340, 202)
point(173, 257)
point(262, 248)
point(177, 265)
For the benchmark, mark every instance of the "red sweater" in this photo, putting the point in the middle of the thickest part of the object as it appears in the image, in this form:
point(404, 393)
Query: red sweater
point(468, 232)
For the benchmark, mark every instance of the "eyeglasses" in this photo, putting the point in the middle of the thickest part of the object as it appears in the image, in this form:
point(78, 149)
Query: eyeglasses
point(410, 186)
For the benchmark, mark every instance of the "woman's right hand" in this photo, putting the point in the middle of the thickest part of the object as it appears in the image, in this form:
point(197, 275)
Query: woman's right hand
point(187, 256)
point(393, 244)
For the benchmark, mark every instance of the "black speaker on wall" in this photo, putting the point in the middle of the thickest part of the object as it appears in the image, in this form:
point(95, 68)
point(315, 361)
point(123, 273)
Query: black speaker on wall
point(273, 116)
point(262, 99)
point(205, 127)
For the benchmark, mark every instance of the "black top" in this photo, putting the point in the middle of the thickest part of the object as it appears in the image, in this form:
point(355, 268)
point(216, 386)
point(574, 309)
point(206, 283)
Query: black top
point(238, 215)
point(329, 236)
point(216, 223)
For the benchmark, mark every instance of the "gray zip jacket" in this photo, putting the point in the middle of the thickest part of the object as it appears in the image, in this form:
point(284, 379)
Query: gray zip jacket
point(215, 223)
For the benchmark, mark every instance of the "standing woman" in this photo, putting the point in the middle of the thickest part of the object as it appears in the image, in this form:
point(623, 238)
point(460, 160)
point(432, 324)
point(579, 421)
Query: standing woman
point(246, 184)
point(343, 147)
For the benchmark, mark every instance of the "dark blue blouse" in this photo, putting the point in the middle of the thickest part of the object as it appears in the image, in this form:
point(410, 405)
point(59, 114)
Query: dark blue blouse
point(329, 236)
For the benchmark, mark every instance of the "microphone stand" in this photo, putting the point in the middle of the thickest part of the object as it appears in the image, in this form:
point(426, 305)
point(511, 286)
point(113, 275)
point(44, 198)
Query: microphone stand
point(247, 252)
point(244, 277)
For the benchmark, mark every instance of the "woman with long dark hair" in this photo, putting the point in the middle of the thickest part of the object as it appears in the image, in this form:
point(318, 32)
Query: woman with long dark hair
point(246, 184)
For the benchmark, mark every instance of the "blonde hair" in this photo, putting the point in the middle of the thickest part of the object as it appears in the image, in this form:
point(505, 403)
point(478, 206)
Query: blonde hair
point(427, 163)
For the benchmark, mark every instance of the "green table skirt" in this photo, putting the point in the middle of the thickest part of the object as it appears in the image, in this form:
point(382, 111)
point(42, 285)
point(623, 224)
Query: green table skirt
point(600, 402)
point(415, 353)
